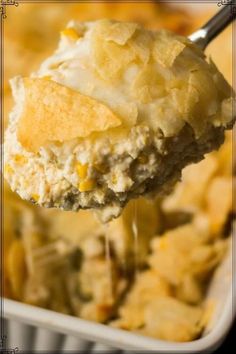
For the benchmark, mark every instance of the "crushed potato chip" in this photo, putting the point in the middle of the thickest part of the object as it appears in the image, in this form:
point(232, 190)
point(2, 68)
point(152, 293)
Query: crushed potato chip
point(53, 112)
point(165, 117)
point(190, 290)
point(148, 85)
point(167, 49)
point(119, 32)
point(166, 317)
point(141, 44)
point(190, 194)
point(186, 252)
point(226, 113)
point(148, 287)
point(201, 81)
point(110, 58)
point(128, 112)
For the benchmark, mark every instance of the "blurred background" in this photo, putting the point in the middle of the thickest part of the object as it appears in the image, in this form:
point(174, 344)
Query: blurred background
point(70, 263)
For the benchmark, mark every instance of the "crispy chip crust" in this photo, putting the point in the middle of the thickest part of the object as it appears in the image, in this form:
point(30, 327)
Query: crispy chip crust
point(157, 78)
point(119, 32)
point(53, 112)
point(167, 48)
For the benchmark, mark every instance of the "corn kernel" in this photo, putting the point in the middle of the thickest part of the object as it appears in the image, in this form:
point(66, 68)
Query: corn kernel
point(87, 185)
point(47, 77)
point(71, 33)
point(35, 197)
point(8, 169)
point(82, 170)
point(21, 160)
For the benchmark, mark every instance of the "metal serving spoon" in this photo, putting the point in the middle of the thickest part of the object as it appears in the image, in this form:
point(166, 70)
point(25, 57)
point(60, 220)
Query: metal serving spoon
point(203, 36)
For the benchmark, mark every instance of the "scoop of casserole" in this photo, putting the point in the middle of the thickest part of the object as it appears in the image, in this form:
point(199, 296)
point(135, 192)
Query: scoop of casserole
point(116, 112)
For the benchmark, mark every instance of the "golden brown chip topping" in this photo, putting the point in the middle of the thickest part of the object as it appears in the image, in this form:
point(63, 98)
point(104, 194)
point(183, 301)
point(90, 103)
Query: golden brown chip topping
point(166, 49)
point(148, 85)
point(110, 58)
point(119, 32)
point(53, 112)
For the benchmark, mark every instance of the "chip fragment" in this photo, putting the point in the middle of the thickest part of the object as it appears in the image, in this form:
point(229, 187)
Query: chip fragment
point(53, 112)
point(166, 49)
point(119, 32)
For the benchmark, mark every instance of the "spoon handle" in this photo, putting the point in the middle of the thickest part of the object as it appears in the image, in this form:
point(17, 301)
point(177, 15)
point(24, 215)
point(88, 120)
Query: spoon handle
point(214, 26)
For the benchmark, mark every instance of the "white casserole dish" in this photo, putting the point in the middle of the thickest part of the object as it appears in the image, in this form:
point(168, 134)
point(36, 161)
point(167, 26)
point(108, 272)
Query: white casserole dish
point(32, 328)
